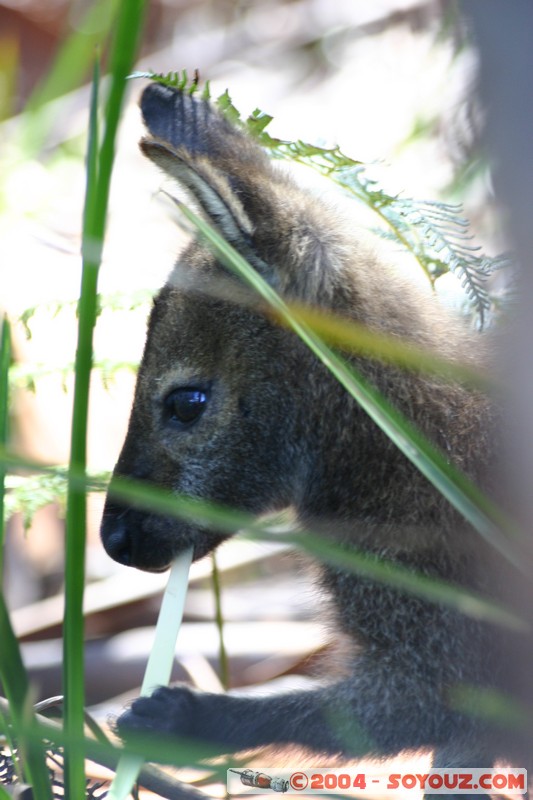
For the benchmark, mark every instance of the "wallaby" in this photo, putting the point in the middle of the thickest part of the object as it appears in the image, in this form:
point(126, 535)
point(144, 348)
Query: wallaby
point(232, 408)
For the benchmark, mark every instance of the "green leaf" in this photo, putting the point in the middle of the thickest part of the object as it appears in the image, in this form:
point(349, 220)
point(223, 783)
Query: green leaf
point(257, 122)
point(225, 105)
point(30, 493)
point(5, 361)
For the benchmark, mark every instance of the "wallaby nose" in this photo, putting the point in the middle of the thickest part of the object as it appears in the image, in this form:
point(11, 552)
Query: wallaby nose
point(116, 541)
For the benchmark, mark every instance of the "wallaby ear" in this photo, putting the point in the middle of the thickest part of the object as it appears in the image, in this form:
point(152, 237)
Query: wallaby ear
point(207, 186)
point(289, 237)
point(184, 120)
point(193, 143)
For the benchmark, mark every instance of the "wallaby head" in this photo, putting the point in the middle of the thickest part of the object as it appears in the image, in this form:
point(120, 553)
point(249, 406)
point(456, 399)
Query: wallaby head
point(216, 412)
point(231, 408)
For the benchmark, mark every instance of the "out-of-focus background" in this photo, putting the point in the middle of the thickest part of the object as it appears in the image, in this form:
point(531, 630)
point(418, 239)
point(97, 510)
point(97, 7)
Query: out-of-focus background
point(390, 81)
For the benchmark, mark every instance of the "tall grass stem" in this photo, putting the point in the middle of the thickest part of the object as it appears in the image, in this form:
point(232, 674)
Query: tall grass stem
point(5, 360)
point(99, 169)
point(219, 619)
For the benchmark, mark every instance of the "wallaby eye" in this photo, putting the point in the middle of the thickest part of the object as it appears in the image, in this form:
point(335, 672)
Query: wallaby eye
point(184, 406)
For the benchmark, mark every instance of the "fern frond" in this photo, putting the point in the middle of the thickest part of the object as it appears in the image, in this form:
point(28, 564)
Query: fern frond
point(116, 301)
point(177, 80)
point(27, 494)
point(434, 232)
point(27, 376)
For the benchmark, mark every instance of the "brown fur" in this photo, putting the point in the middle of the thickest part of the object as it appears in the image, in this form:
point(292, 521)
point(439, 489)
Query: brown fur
point(278, 430)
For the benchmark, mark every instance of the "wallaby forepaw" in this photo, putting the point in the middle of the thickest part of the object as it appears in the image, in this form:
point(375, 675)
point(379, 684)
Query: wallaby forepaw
point(167, 710)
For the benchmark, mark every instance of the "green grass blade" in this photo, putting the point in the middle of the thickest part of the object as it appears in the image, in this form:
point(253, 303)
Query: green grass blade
point(219, 620)
point(354, 337)
point(210, 515)
point(16, 686)
point(376, 568)
point(5, 360)
point(150, 747)
point(127, 37)
point(99, 169)
point(482, 514)
point(73, 630)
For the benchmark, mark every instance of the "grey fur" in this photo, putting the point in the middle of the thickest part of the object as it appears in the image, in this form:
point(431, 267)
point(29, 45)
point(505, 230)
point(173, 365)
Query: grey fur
point(278, 430)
